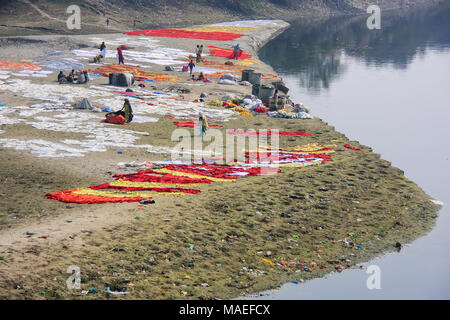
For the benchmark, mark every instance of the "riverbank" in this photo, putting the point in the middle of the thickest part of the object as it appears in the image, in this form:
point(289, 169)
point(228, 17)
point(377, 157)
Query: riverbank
point(231, 239)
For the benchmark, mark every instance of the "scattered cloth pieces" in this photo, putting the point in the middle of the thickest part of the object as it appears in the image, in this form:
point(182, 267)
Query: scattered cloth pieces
point(350, 147)
point(269, 132)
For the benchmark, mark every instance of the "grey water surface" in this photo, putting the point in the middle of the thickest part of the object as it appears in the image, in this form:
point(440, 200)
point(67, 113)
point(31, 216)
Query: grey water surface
point(388, 89)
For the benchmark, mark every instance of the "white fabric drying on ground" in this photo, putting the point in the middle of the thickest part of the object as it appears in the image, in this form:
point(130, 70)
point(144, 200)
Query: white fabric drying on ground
point(245, 23)
point(51, 92)
point(168, 106)
point(129, 41)
point(161, 56)
point(207, 70)
point(61, 65)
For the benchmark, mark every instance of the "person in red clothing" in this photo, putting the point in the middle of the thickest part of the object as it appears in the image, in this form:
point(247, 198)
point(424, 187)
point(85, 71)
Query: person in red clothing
point(120, 55)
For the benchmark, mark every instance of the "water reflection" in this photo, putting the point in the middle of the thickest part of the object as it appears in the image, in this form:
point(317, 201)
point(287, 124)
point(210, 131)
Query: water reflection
point(313, 51)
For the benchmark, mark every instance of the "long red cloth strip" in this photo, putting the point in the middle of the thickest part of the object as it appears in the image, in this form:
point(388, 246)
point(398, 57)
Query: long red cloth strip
point(191, 124)
point(108, 186)
point(227, 53)
point(177, 33)
point(141, 176)
point(69, 196)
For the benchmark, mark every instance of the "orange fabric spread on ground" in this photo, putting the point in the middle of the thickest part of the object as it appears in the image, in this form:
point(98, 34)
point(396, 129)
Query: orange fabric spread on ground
point(135, 70)
point(18, 66)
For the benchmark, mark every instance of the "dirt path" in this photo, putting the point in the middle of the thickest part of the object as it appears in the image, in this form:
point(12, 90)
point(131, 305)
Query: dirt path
point(46, 15)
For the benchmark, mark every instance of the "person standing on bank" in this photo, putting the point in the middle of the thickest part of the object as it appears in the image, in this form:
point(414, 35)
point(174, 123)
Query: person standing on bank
point(120, 55)
point(191, 66)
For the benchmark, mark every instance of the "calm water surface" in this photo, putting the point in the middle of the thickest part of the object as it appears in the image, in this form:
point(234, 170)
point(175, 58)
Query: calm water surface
point(388, 89)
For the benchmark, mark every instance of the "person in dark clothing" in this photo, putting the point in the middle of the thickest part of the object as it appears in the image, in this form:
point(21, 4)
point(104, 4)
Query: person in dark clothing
point(120, 55)
point(62, 77)
point(191, 66)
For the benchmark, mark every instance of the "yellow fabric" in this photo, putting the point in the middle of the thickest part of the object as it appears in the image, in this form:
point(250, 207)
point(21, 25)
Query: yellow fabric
point(268, 261)
point(215, 103)
point(122, 194)
point(312, 148)
point(247, 62)
point(132, 184)
point(191, 175)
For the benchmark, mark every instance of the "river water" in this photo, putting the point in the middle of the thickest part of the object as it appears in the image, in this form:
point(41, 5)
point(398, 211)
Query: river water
point(388, 89)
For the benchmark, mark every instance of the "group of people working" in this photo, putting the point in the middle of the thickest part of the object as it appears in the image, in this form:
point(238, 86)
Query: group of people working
point(102, 55)
point(74, 77)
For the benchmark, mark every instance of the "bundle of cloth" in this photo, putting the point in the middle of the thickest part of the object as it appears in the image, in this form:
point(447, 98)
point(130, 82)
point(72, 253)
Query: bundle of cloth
point(289, 115)
point(251, 102)
point(228, 79)
point(124, 115)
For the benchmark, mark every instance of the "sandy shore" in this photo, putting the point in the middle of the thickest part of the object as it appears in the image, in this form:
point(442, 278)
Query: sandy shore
point(355, 199)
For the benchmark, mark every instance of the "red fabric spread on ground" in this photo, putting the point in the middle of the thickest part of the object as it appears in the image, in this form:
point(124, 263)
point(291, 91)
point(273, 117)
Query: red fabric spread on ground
point(269, 133)
point(217, 171)
point(158, 189)
point(69, 196)
point(191, 124)
point(179, 33)
point(350, 147)
point(227, 53)
point(143, 176)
